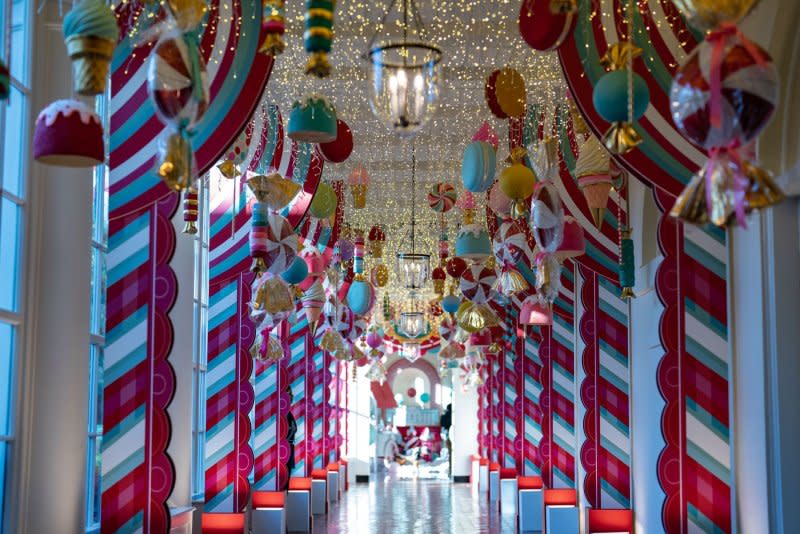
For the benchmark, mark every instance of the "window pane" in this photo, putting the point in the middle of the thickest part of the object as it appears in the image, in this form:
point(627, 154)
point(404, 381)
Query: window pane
point(9, 252)
point(3, 455)
point(98, 292)
point(19, 37)
point(14, 144)
point(6, 370)
point(98, 390)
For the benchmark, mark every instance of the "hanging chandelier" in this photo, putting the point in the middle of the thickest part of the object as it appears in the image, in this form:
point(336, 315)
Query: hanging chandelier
point(412, 323)
point(405, 74)
point(411, 351)
point(413, 267)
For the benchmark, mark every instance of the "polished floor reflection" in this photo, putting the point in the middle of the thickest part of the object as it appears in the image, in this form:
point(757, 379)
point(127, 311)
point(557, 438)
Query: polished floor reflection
point(389, 505)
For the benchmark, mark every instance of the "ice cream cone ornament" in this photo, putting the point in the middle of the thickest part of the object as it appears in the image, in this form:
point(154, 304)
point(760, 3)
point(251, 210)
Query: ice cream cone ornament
point(593, 173)
point(90, 33)
point(359, 182)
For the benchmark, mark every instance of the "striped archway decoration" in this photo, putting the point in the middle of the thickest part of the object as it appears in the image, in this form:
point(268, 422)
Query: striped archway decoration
point(694, 470)
point(138, 475)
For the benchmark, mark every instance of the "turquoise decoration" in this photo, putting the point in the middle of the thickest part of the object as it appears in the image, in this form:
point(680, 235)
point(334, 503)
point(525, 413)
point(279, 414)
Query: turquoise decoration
point(297, 271)
point(627, 272)
point(360, 297)
point(478, 166)
point(312, 120)
point(473, 243)
point(451, 303)
point(425, 397)
point(611, 96)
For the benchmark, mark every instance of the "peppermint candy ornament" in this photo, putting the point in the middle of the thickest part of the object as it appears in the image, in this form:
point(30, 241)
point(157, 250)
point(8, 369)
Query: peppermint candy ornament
point(477, 283)
point(272, 239)
point(447, 329)
point(442, 197)
point(510, 244)
point(725, 92)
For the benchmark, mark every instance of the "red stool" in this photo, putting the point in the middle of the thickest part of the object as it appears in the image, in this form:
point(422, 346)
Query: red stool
point(608, 521)
point(269, 512)
point(561, 511)
point(222, 523)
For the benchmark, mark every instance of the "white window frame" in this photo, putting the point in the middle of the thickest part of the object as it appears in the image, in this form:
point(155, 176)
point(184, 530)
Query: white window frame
point(200, 342)
point(8, 504)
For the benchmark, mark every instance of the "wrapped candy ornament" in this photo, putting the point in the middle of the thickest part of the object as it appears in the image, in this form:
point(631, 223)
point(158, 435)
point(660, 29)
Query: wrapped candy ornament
point(709, 14)
point(312, 300)
point(477, 283)
point(318, 36)
point(722, 98)
point(616, 103)
point(439, 277)
point(358, 180)
point(273, 243)
point(273, 189)
point(273, 26)
point(91, 34)
point(272, 301)
point(510, 246)
point(547, 218)
point(190, 205)
point(517, 182)
point(178, 86)
point(442, 197)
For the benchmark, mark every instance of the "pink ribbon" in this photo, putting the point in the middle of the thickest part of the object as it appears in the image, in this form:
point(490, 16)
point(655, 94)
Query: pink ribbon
point(718, 39)
point(740, 181)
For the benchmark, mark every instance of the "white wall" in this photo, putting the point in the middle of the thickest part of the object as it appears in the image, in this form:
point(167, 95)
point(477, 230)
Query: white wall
point(464, 429)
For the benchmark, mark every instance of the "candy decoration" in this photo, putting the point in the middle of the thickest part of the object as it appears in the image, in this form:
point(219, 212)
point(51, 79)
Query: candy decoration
point(709, 14)
point(273, 189)
point(442, 197)
point(533, 312)
point(487, 134)
point(477, 283)
point(190, 205)
point(593, 171)
point(312, 120)
point(455, 267)
point(380, 275)
point(5, 82)
point(296, 273)
point(447, 329)
point(517, 182)
point(573, 243)
point(361, 296)
point(473, 317)
point(438, 276)
point(450, 303)
point(510, 91)
point(339, 149)
point(313, 300)
point(547, 218)
point(273, 26)
point(614, 101)
point(359, 182)
point(377, 239)
point(68, 133)
point(358, 252)
point(478, 166)
point(178, 86)
point(324, 203)
point(272, 301)
point(273, 243)
point(230, 167)
point(91, 33)
point(318, 36)
point(473, 243)
point(490, 92)
point(544, 28)
point(498, 201)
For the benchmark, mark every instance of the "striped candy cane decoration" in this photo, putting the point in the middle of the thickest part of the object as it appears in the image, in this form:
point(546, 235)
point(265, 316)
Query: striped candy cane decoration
point(316, 410)
point(605, 455)
point(137, 473)
point(694, 468)
point(558, 397)
point(510, 388)
point(265, 432)
point(297, 369)
point(693, 377)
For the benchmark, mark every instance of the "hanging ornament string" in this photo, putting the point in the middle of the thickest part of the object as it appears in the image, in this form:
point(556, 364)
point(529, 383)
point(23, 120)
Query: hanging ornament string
point(627, 274)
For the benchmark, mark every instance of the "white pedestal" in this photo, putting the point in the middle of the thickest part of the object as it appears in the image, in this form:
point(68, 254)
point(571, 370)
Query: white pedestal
point(494, 488)
point(268, 520)
point(343, 478)
point(508, 495)
point(298, 511)
point(473, 477)
point(318, 497)
point(333, 486)
point(562, 520)
point(530, 510)
point(483, 478)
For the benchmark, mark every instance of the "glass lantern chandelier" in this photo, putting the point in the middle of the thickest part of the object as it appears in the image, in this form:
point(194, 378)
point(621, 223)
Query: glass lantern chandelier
point(413, 267)
point(404, 73)
point(411, 352)
point(412, 323)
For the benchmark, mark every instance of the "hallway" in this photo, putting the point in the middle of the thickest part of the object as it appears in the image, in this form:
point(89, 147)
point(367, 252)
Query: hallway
point(391, 506)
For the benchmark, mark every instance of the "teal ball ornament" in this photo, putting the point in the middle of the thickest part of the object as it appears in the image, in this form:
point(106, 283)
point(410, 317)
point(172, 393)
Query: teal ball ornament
point(425, 397)
point(478, 166)
point(610, 96)
point(361, 297)
point(297, 271)
point(451, 303)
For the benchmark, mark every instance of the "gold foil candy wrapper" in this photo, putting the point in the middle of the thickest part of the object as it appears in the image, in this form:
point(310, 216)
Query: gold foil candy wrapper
point(517, 155)
point(273, 190)
point(274, 349)
point(175, 162)
point(318, 65)
point(273, 45)
point(619, 55)
point(331, 341)
point(274, 296)
point(187, 13)
point(512, 282)
point(621, 138)
point(472, 317)
point(228, 169)
point(708, 14)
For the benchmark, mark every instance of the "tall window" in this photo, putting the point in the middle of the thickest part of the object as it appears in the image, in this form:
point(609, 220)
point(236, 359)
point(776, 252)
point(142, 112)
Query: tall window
point(15, 46)
point(200, 346)
point(97, 330)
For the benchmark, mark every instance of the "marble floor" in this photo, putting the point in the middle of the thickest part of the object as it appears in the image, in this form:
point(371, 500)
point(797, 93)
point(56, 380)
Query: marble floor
point(390, 505)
